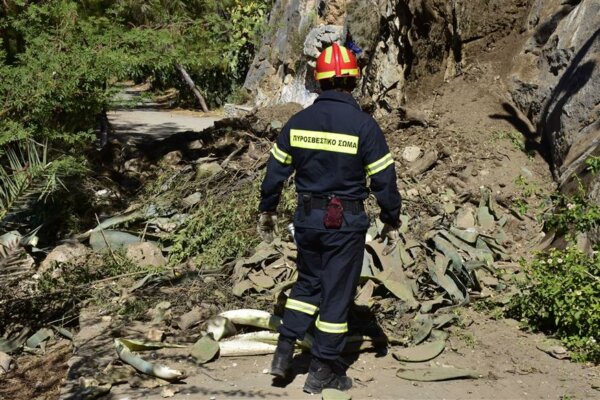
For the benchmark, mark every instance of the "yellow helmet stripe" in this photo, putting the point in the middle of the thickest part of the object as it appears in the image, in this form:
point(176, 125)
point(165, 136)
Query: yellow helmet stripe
point(351, 72)
point(328, 55)
point(325, 75)
point(345, 55)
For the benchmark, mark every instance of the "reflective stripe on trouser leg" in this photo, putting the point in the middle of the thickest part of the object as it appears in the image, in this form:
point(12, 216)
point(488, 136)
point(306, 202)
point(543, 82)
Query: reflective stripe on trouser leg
point(331, 327)
point(302, 304)
point(341, 255)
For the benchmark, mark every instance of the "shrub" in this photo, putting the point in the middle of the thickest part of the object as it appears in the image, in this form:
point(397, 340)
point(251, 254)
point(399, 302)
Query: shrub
point(562, 297)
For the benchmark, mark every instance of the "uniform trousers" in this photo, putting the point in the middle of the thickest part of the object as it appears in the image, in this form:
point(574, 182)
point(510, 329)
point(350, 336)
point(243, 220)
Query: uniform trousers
point(329, 264)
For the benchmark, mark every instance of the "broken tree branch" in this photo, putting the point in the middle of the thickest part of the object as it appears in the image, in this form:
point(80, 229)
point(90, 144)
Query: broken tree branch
point(186, 77)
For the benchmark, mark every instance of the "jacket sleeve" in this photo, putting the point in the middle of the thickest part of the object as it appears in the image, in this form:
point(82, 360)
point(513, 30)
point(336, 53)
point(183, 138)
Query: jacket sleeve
point(279, 168)
point(379, 166)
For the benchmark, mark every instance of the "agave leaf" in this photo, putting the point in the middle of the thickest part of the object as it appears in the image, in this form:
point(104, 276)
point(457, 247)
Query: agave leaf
point(145, 367)
point(334, 394)
point(433, 374)
point(204, 350)
point(421, 353)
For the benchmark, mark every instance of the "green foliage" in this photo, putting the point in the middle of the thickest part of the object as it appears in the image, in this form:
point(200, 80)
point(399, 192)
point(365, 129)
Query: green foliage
point(528, 190)
point(219, 230)
point(58, 58)
point(29, 177)
point(572, 214)
point(593, 164)
point(562, 297)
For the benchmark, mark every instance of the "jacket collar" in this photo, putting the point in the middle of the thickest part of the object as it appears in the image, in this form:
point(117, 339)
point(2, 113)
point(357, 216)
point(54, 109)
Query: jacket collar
point(336, 95)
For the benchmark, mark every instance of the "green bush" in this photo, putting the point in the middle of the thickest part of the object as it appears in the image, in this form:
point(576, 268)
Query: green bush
point(562, 297)
point(572, 214)
point(219, 230)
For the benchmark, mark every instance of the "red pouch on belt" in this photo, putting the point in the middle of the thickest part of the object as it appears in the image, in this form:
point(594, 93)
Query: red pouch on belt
point(334, 214)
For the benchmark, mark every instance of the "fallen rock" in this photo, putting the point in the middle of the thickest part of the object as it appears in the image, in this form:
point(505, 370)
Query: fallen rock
point(145, 254)
point(135, 165)
point(191, 318)
point(6, 363)
point(411, 153)
point(172, 158)
point(206, 170)
point(465, 219)
point(65, 253)
point(424, 163)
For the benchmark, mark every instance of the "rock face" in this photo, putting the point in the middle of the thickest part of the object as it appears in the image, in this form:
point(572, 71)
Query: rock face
point(279, 71)
point(556, 83)
point(557, 77)
point(401, 40)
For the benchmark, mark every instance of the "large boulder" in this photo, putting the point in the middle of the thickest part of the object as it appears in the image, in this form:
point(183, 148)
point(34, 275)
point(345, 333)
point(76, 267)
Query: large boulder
point(279, 72)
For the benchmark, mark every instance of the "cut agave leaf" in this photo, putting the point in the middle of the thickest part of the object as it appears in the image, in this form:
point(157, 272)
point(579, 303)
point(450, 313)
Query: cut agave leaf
point(145, 367)
point(204, 350)
point(39, 337)
point(334, 394)
point(239, 348)
point(433, 374)
point(421, 353)
point(424, 329)
point(142, 345)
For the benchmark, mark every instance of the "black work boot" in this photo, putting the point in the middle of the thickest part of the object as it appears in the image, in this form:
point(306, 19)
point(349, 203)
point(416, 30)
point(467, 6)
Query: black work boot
point(282, 359)
point(321, 376)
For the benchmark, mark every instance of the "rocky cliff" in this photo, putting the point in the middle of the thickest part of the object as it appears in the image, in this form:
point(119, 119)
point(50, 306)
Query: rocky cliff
point(553, 78)
point(556, 82)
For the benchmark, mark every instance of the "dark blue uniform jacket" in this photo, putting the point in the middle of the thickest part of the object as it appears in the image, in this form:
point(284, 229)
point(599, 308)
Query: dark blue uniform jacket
point(333, 146)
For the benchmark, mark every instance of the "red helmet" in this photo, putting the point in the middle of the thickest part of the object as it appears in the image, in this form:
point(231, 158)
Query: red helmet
point(336, 61)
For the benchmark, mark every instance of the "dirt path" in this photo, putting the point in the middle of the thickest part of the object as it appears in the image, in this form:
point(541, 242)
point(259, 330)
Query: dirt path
point(152, 124)
point(507, 359)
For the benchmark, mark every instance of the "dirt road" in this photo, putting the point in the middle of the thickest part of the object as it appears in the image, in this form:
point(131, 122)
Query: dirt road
point(151, 124)
point(510, 365)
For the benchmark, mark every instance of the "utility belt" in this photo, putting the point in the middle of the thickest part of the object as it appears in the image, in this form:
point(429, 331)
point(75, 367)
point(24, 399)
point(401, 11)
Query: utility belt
point(309, 201)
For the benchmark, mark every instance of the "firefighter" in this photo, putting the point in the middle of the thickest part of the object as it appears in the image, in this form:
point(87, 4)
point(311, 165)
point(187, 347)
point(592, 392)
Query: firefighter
point(333, 147)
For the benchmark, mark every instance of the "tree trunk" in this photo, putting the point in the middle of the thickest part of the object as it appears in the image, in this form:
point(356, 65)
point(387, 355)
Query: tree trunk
point(186, 77)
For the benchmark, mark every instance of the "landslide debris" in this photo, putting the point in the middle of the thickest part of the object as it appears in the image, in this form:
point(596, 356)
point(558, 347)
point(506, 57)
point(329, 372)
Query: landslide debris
point(197, 211)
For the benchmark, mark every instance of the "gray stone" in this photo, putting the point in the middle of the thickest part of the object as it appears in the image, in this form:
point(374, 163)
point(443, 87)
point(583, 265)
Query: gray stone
point(172, 158)
point(206, 170)
point(320, 37)
point(556, 78)
point(555, 83)
point(411, 153)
